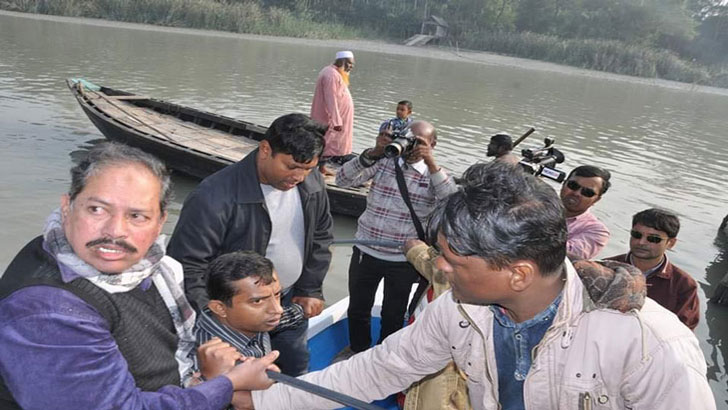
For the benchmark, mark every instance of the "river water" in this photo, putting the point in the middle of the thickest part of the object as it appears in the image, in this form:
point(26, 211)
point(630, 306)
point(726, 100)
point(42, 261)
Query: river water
point(663, 142)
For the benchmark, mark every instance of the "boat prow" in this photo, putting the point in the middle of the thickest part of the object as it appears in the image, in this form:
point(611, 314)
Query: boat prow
point(189, 141)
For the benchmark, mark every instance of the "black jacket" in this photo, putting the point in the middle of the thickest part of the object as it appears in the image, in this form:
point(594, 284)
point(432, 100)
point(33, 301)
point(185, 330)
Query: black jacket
point(227, 213)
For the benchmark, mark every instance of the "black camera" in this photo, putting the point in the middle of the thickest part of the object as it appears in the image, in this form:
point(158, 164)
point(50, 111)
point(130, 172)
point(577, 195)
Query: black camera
point(542, 161)
point(403, 142)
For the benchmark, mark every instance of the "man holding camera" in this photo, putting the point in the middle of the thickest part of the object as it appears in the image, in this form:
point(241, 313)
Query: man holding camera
point(388, 218)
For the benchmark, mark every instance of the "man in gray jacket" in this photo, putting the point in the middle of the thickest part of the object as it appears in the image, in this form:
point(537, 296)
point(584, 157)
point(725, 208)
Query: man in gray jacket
point(271, 203)
point(528, 332)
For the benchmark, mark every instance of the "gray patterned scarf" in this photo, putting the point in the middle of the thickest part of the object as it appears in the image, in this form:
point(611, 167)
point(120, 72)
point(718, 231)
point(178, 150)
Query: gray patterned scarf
point(169, 284)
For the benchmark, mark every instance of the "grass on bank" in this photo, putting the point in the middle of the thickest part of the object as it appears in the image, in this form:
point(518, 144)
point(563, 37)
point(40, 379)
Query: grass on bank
point(239, 17)
point(603, 55)
point(250, 17)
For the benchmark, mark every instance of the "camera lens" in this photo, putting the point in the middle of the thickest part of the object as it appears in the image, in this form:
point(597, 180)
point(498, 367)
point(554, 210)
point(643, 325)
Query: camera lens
point(392, 150)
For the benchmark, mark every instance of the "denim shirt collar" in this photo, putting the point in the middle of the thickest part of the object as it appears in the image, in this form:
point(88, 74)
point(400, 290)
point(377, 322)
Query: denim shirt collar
point(547, 314)
point(513, 344)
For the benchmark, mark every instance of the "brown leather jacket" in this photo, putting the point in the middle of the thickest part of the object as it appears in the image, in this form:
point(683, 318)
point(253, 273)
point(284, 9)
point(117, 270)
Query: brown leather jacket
point(674, 289)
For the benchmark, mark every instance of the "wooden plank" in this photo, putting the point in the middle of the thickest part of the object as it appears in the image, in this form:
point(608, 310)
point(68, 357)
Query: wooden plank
point(128, 97)
point(418, 40)
point(191, 134)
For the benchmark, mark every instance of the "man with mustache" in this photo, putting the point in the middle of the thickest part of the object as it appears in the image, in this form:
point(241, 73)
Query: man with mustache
point(271, 203)
point(654, 232)
point(93, 312)
point(583, 188)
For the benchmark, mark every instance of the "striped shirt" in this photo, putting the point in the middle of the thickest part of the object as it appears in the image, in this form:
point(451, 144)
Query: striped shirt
point(208, 326)
point(387, 217)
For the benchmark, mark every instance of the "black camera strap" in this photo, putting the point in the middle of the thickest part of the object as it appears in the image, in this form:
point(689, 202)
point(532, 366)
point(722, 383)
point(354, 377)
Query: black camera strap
point(402, 185)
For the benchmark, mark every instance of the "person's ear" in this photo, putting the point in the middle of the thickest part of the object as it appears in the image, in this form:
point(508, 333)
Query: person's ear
point(264, 150)
point(522, 275)
point(65, 206)
point(217, 307)
point(671, 242)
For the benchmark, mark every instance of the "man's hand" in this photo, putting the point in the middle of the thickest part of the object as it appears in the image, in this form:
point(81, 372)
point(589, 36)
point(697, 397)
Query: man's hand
point(250, 374)
point(383, 139)
point(423, 151)
point(216, 357)
point(311, 306)
point(411, 243)
point(338, 128)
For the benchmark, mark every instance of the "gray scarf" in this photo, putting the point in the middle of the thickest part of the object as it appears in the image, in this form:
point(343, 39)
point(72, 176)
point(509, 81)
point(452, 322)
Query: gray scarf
point(154, 265)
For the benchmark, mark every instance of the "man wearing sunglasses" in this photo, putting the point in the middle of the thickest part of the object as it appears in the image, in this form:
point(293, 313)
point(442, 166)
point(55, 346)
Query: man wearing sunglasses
point(584, 187)
point(654, 231)
point(529, 329)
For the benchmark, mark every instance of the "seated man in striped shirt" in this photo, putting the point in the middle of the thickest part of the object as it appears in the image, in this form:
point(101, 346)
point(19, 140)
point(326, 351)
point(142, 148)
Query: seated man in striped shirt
point(245, 304)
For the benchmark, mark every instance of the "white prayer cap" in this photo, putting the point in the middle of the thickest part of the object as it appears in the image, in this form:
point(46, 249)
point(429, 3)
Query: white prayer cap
point(344, 54)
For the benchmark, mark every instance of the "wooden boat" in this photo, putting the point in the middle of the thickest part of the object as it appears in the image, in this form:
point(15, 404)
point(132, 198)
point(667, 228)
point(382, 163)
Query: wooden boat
point(189, 141)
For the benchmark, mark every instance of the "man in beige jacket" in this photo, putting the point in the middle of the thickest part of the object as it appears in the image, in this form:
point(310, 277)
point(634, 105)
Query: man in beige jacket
point(525, 328)
point(447, 389)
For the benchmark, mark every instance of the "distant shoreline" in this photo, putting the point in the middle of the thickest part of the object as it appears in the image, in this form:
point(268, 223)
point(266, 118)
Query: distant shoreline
point(440, 53)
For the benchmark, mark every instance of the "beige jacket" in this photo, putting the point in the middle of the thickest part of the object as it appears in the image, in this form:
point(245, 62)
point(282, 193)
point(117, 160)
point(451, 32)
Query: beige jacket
point(448, 388)
point(588, 359)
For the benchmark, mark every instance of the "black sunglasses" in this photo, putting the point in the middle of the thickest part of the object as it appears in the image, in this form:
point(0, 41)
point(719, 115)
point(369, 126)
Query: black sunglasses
point(585, 192)
point(650, 238)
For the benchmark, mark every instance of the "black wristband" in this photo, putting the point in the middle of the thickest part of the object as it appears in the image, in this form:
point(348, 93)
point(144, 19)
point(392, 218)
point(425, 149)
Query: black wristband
point(366, 160)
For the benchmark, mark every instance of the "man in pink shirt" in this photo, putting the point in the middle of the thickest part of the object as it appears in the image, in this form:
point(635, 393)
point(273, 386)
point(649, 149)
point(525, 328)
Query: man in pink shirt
point(583, 188)
point(332, 105)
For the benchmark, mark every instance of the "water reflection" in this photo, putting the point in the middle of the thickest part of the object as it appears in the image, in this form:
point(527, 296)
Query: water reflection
point(716, 314)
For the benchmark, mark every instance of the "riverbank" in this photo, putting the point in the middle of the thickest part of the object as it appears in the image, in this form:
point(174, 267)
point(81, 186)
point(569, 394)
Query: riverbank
point(249, 17)
point(439, 53)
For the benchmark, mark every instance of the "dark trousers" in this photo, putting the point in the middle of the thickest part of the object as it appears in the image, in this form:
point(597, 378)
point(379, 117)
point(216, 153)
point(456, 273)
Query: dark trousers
point(365, 272)
point(293, 345)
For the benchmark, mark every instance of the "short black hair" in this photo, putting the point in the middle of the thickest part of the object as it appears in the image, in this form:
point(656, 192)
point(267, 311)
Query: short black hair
point(502, 214)
point(504, 140)
point(659, 219)
point(588, 171)
point(297, 135)
point(407, 103)
point(231, 267)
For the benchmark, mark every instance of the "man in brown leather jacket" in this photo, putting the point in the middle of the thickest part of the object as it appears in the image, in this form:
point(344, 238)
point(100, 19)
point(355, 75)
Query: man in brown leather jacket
point(654, 231)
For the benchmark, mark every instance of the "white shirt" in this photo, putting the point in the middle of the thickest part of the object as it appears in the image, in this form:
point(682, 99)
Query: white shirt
point(286, 245)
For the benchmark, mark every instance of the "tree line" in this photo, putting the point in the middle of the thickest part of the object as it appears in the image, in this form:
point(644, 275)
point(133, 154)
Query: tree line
point(693, 29)
point(682, 40)
point(685, 40)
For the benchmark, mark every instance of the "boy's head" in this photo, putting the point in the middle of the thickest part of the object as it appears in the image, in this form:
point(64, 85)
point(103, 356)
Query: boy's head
point(245, 293)
point(404, 109)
